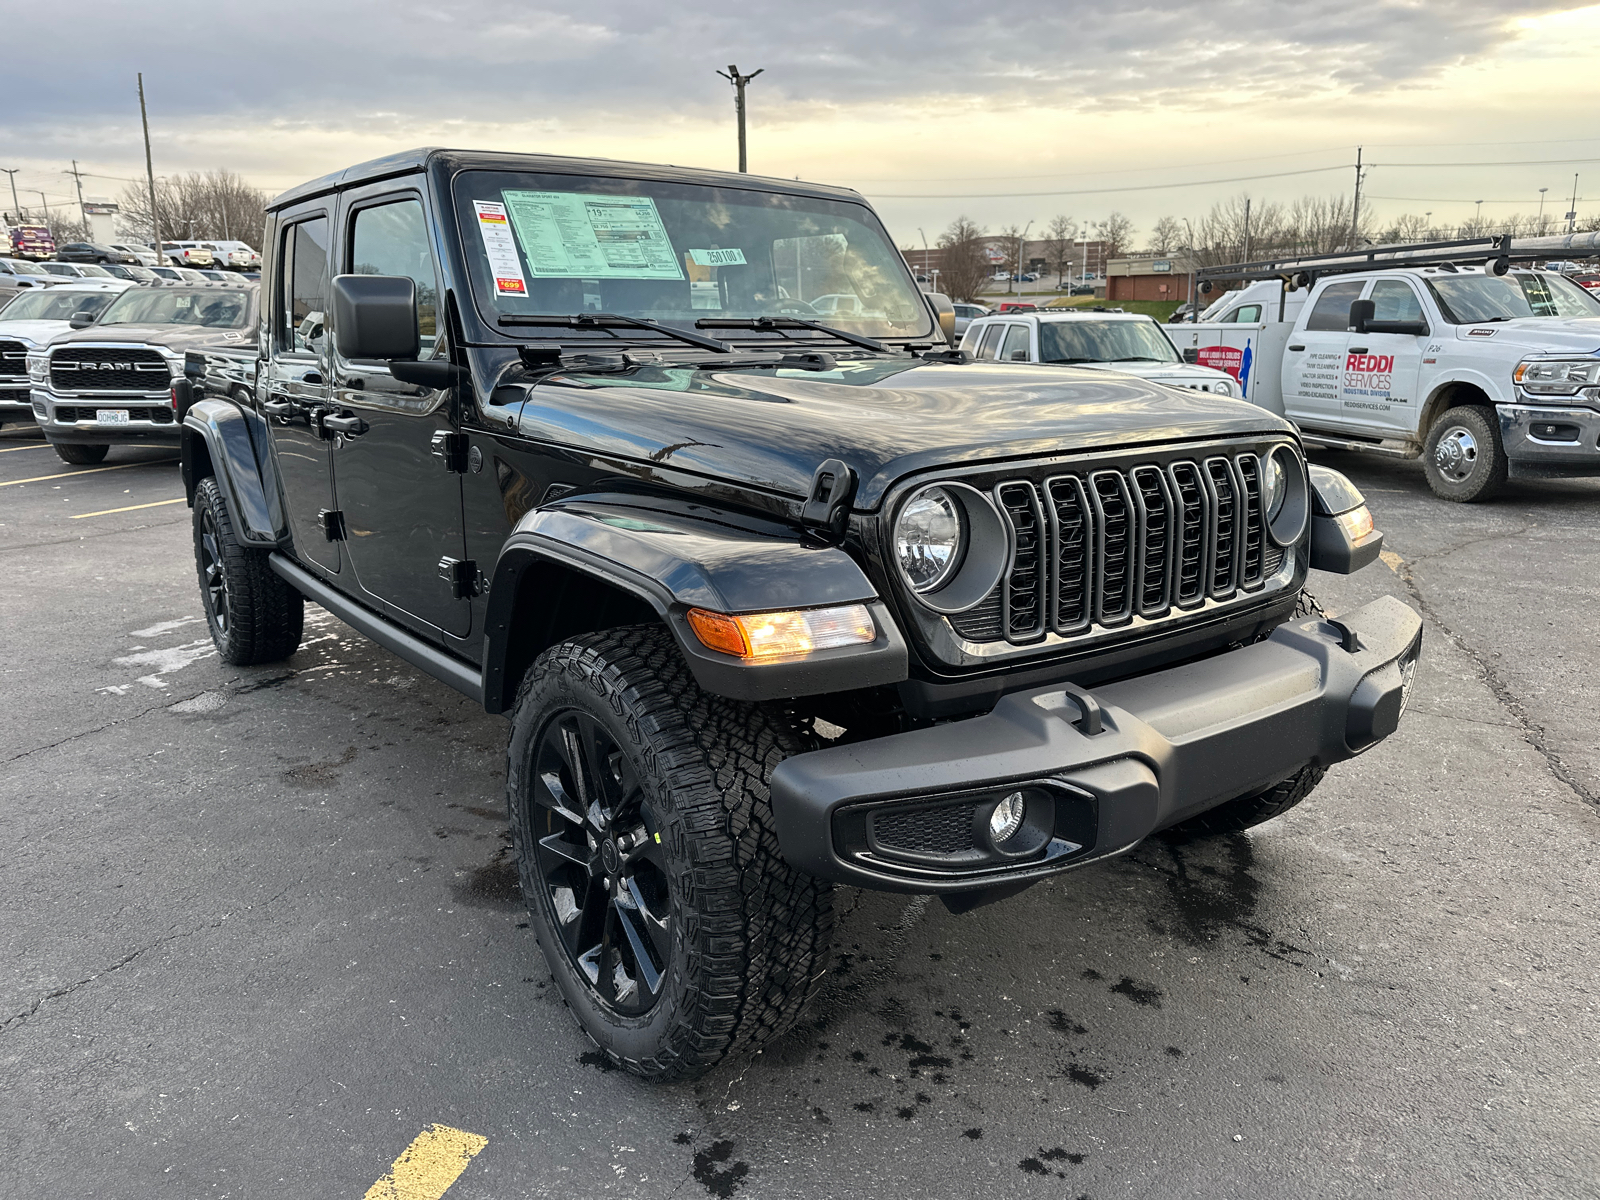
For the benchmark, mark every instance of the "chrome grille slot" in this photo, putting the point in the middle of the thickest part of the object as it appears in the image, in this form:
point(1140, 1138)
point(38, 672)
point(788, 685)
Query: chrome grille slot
point(1224, 531)
point(1193, 536)
point(1023, 588)
point(1253, 534)
point(1073, 533)
point(1154, 500)
point(1116, 539)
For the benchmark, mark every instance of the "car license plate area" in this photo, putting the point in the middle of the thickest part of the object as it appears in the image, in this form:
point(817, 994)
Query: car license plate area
point(111, 416)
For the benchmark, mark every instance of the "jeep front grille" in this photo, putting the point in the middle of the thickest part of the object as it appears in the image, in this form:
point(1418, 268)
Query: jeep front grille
point(1097, 548)
point(108, 369)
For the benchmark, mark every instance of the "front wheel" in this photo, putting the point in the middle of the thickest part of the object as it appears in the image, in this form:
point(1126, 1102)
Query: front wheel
point(1463, 457)
point(81, 454)
point(1235, 816)
point(254, 615)
point(674, 929)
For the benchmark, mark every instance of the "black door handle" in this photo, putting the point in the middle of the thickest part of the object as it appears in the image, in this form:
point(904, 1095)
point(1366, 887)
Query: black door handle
point(277, 408)
point(350, 426)
point(1297, 347)
point(1358, 350)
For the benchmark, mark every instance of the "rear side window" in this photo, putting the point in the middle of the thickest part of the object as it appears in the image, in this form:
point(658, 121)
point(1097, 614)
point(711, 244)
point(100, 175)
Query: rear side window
point(305, 285)
point(1016, 344)
point(1332, 311)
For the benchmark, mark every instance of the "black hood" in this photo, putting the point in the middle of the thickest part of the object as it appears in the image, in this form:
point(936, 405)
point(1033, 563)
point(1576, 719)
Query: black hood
point(886, 418)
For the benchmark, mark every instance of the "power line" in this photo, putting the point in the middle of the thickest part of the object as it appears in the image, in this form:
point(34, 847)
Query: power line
point(1515, 162)
point(1451, 200)
point(1140, 187)
point(1215, 162)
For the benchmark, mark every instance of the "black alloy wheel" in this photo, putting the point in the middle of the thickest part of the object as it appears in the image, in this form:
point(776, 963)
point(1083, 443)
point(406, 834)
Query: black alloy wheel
point(213, 572)
point(602, 874)
point(254, 616)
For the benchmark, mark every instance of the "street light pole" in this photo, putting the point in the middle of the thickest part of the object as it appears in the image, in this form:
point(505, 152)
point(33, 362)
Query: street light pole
point(150, 175)
point(1572, 213)
point(1542, 191)
point(732, 76)
point(1021, 241)
point(15, 203)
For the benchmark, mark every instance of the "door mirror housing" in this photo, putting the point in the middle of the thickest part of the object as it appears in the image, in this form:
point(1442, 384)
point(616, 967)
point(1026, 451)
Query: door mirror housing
point(1361, 321)
point(375, 317)
point(81, 320)
point(944, 312)
point(1361, 311)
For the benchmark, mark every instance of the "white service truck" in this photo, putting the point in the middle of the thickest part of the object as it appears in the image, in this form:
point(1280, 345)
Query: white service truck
point(1483, 370)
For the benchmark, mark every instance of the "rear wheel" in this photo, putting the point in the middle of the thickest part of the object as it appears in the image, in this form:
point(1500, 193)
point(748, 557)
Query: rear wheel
point(1463, 457)
point(674, 928)
point(80, 454)
point(254, 615)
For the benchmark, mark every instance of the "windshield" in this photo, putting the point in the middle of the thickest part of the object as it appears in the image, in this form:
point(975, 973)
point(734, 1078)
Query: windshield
point(1104, 341)
point(678, 253)
point(1470, 299)
point(54, 304)
point(173, 306)
point(21, 266)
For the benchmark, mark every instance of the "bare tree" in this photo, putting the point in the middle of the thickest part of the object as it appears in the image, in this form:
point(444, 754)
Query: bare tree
point(1115, 234)
point(1166, 235)
point(196, 207)
point(1012, 237)
point(1058, 238)
point(964, 270)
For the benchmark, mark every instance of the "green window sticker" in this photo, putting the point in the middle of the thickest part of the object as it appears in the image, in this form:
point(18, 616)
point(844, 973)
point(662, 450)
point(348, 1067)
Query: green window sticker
point(576, 235)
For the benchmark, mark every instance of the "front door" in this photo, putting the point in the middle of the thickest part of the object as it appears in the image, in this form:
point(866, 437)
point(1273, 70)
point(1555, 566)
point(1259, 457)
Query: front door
point(296, 392)
point(1381, 369)
point(396, 464)
point(1314, 360)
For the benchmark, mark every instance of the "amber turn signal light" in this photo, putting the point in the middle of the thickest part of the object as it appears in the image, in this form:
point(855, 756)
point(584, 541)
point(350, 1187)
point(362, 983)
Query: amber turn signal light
point(783, 634)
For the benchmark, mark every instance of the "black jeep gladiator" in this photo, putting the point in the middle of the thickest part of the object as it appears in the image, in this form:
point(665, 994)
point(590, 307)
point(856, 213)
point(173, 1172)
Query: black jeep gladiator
point(677, 470)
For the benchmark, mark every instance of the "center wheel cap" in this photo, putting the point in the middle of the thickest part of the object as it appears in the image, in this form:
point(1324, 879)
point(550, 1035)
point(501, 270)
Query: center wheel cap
point(610, 857)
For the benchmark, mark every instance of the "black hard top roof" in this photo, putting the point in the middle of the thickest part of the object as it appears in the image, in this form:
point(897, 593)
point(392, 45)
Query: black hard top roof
point(408, 161)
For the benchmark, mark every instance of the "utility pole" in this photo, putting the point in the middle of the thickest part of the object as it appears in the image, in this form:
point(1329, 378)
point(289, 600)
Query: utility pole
point(1572, 214)
point(1542, 191)
point(46, 204)
point(1247, 229)
point(1021, 241)
point(77, 177)
point(150, 175)
point(1355, 212)
point(15, 203)
point(732, 76)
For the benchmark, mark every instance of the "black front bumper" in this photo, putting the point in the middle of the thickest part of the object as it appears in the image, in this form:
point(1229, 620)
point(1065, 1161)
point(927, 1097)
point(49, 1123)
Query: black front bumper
point(1171, 744)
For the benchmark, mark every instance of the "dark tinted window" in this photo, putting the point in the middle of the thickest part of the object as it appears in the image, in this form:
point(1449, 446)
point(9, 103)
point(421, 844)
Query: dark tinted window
point(392, 239)
point(1332, 311)
point(305, 285)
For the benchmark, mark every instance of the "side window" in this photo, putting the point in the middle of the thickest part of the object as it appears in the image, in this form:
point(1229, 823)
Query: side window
point(971, 338)
point(304, 288)
point(392, 239)
point(1393, 300)
point(991, 341)
point(1016, 346)
point(1332, 311)
point(1247, 314)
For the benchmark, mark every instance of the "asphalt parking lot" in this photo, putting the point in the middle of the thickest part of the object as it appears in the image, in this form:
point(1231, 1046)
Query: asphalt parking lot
point(262, 929)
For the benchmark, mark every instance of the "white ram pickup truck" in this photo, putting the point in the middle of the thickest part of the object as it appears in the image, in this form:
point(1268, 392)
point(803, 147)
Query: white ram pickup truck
point(1483, 374)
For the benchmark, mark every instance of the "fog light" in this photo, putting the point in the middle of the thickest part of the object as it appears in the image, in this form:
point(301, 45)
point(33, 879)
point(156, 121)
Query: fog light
point(1007, 817)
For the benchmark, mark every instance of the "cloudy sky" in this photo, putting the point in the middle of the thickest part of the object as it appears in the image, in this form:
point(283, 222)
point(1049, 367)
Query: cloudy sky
point(1001, 110)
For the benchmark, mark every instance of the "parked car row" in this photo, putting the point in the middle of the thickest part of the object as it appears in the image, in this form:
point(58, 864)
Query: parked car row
point(31, 243)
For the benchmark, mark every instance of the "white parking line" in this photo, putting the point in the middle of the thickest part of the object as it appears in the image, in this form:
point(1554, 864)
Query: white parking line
point(106, 512)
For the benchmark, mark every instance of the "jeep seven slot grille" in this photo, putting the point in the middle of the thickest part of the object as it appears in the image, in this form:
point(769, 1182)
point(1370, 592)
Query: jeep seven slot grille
point(1096, 549)
point(108, 368)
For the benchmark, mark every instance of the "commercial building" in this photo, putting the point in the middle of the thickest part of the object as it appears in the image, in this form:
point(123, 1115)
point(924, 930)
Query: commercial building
point(1149, 277)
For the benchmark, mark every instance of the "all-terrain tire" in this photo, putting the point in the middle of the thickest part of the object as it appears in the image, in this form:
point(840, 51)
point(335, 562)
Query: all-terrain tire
point(747, 936)
point(81, 454)
point(1234, 816)
point(1307, 605)
point(1463, 457)
point(254, 615)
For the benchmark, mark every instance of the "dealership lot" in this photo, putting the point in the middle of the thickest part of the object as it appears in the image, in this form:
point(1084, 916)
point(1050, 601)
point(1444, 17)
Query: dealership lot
point(264, 927)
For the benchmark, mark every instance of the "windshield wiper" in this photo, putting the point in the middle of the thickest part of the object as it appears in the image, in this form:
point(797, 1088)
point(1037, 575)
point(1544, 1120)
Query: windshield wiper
point(1138, 358)
point(855, 339)
point(607, 320)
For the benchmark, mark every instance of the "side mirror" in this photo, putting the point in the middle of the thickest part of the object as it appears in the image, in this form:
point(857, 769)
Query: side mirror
point(1361, 312)
point(1361, 322)
point(81, 319)
point(945, 313)
point(375, 317)
point(1019, 356)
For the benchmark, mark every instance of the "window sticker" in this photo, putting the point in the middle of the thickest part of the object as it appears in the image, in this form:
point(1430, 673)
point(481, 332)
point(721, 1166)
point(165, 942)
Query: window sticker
point(717, 258)
point(574, 235)
point(501, 249)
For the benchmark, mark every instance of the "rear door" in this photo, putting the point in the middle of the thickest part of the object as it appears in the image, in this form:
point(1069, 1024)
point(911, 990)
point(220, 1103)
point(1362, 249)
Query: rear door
point(296, 382)
point(1313, 361)
point(1379, 393)
point(397, 446)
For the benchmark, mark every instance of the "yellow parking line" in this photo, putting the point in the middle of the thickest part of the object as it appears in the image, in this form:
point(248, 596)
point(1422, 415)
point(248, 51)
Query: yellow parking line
point(14, 449)
point(427, 1167)
point(106, 512)
point(154, 462)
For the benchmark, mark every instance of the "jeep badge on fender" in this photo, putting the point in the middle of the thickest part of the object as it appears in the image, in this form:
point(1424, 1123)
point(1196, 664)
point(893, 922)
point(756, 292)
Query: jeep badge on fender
point(677, 471)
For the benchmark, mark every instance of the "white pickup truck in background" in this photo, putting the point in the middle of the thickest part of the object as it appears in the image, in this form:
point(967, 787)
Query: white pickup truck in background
point(1485, 371)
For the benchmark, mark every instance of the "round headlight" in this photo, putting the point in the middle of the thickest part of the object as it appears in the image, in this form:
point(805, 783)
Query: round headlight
point(1274, 487)
point(1285, 496)
point(928, 539)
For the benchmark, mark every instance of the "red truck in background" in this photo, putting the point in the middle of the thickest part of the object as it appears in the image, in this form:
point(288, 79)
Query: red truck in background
point(31, 241)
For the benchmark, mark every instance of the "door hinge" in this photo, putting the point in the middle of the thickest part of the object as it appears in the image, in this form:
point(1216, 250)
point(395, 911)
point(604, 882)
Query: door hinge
point(450, 448)
point(331, 522)
point(462, 576)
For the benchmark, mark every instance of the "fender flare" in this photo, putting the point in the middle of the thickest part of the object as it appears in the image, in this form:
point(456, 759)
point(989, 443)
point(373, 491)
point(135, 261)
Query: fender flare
point(673, 557)
point(217, 441)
